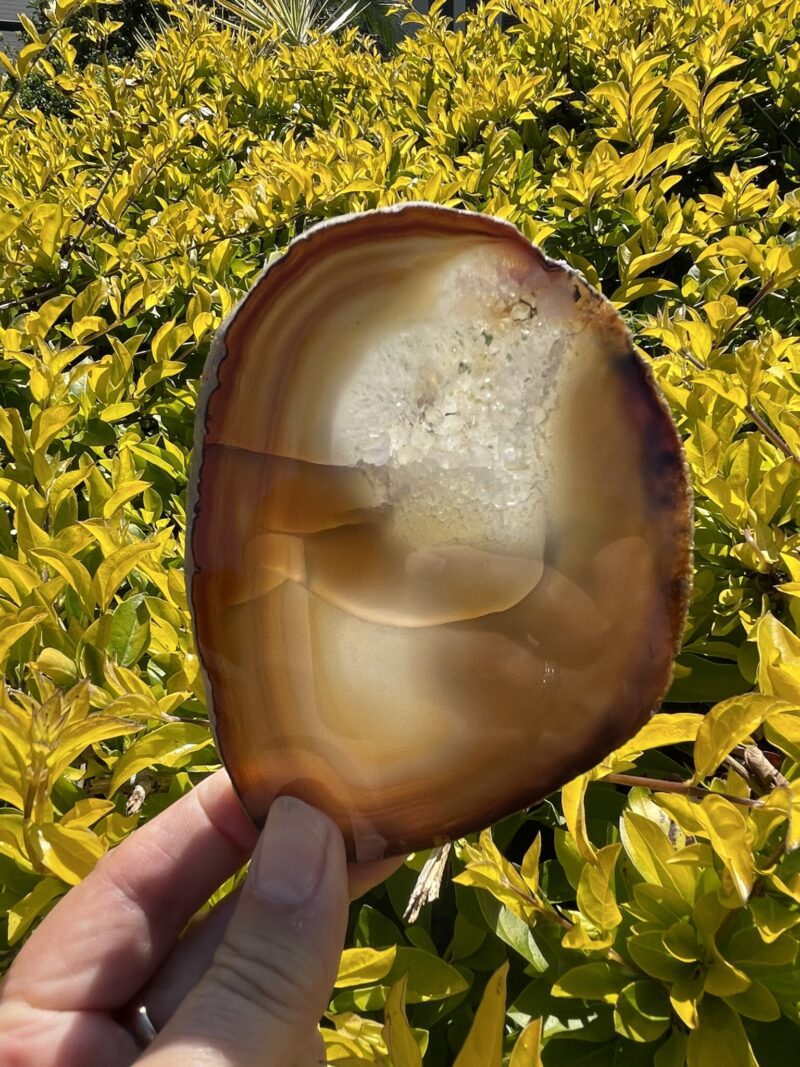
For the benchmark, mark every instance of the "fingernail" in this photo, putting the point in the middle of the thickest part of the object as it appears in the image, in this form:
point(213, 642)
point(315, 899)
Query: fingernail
point(290, 854)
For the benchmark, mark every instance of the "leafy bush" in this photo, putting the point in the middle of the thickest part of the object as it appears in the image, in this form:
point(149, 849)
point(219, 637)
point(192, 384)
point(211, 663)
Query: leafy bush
point(125, 23)
point(646, 914)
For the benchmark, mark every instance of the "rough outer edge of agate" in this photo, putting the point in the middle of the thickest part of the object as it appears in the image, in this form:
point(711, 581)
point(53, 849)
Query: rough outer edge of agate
point(210, 382)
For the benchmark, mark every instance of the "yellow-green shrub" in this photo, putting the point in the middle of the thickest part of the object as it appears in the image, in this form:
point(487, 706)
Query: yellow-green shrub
point(651, 143)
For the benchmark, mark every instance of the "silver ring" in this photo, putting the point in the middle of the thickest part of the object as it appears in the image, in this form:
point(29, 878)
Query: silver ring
point(141, 1027)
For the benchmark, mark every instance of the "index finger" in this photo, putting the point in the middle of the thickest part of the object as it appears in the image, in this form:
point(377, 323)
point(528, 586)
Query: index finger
point(104, 940)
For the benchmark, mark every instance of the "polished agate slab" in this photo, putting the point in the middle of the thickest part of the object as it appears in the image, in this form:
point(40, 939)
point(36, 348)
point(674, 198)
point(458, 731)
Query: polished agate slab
point(439, 529)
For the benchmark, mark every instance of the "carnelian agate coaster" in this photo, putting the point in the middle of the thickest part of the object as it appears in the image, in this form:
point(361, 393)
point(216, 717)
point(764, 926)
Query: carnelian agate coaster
point(439, 528)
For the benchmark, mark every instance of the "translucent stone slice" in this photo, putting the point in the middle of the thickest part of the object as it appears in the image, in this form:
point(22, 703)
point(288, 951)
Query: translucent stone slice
point(439, 539)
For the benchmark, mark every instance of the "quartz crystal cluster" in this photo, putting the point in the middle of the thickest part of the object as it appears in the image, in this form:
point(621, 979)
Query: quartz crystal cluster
point(439, 528)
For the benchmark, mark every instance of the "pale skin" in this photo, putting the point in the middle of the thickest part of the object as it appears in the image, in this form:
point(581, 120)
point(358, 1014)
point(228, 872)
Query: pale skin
point(246, 984)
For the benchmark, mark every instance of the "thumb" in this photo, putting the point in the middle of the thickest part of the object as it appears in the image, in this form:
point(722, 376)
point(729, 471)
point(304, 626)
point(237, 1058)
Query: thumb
point(272, 975)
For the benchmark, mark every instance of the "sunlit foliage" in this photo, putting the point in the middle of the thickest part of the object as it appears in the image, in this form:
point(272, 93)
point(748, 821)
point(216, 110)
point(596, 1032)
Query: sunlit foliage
point(651, 143)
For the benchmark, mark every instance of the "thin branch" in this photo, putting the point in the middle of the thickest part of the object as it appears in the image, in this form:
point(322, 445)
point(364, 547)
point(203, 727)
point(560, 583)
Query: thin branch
point(662, 785)
point(779, 129)
point(198, 246)
point(58, 287)
point(693, 359)
point(89, 214)
point(35, 296)
point(771, 434)
point(766, 288)
point(92, 216)
point(735, 765)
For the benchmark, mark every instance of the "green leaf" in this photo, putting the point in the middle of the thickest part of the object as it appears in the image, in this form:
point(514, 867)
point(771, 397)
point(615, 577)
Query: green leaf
point(704, 450)
point(726, 726)
point(16, 625)
point(747, 947)
point(9, 221)
point(157, 372)
point(772, 917)
point(375, 930)
point(681, 941)
point(484, 1043)
point(71, 570)
point(88, 328)
point(429, 977)
point(87, 812)
point(49, 423)
point(720, 1039)
point(129, 635)
point(220, 258)
point(673, 1052)
point(596, 899)
point(113, 571)
point(509, 927)
point(572, 797)
point(168, 746)
point(365, 966)
point(56, 666)
point(659, 904)
point(731, 836)
point(701, 679)
point(40, 323)
point(12, 840)
point(26, 57)
point(14, 755)
point(80, 735)
point(647, 951)
point(527, 1048)
point(638, 289)
point(68, 853)
point(487, 868)
point(779, 658)
point(651, 853)
point(784, 732)
point(27, 910)
point(755, 1002)
point(529, 868)
point(398, 1035)
point(122, 495)
point(115, 412)
point(642, 1012)
point(592, 981)
point(663, 729)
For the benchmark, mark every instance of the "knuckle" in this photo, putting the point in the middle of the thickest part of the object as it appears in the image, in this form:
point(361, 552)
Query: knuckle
point(278, 979)
point(13, 1052)
point(17, 1046)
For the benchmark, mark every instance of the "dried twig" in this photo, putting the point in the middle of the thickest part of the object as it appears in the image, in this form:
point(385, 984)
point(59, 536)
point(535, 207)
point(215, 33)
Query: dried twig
point(143, 784)
point(761, 770)
point(429, 883)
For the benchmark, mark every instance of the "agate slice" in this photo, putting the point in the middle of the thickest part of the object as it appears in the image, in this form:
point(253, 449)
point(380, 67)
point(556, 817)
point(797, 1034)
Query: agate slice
point(439, 529)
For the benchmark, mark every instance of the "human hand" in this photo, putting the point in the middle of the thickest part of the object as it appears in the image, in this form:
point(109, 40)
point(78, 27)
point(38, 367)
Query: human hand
point(246, 984)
